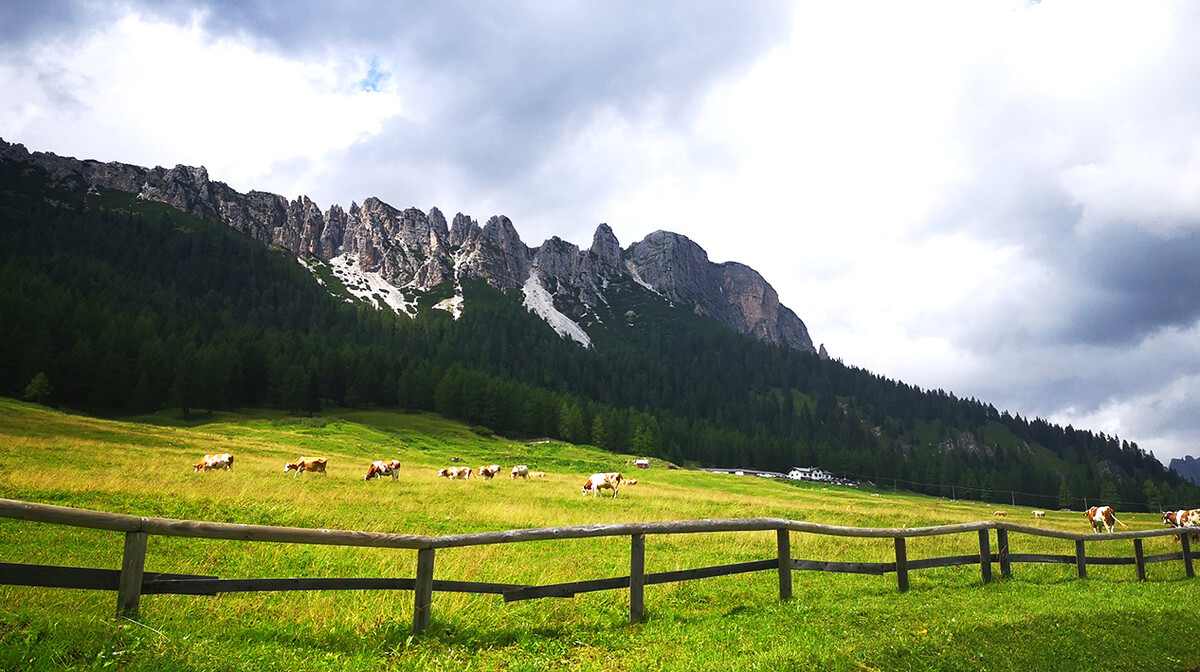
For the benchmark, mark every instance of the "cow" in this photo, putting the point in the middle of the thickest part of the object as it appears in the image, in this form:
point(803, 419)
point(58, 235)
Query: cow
point(1000, 514)
point(215, 461)
point(489, 472)
point(462, 473)
point(538, 474)
point(381, 468)
point(519, 471)
point(629, 481)
point(303, 464)
point(598, 482)
point(1039, 514)
point(1103, 516)
point(1183, 518)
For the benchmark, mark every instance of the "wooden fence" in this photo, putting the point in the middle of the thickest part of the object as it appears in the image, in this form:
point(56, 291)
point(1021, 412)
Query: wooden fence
point(131, 581)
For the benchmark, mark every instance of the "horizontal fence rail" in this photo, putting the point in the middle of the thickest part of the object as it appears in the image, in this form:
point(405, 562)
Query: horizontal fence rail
point(131, 581)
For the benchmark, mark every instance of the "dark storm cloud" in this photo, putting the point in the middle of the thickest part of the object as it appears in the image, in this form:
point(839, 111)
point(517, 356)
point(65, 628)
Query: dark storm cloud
point(1146, 282)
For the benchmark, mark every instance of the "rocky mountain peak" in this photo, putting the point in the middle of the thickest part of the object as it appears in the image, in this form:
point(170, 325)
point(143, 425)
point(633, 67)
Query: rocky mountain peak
point(418, 251)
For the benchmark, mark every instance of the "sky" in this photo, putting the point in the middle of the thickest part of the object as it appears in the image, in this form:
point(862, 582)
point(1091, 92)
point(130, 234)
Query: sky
point(999, 198)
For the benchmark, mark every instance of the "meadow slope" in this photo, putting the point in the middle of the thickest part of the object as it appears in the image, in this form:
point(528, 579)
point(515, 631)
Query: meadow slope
point(1041, 619)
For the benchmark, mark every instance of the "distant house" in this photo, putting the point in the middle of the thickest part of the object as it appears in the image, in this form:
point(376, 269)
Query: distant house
point(815, 474)
point(642, 463)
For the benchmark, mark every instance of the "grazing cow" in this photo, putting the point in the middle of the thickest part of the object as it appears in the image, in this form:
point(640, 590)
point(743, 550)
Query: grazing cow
point(489, 472)
point(598, 482)
point(462, 473)
point(303, 464)
point(215, 461)
point(1039, 514)
point(1183, 518)
point(1103, 516)
point(381, 468)
point(538, 474)
point(1000, 514)
point(519, 471)
point(629, 481)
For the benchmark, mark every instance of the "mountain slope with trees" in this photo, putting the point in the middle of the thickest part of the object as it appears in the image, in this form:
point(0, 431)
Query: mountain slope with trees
point(120, 305)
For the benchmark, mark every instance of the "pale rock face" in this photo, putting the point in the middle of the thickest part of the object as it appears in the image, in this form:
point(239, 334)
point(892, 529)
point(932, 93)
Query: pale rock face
point(731, 293)
point(379, 245)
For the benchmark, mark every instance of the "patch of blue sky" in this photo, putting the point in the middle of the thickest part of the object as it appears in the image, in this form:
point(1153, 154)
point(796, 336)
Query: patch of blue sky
point(373, 77)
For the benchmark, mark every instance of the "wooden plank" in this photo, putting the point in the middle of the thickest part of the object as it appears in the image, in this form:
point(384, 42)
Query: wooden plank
point(948, 561)
point(1139, 557)
point(985, 556)
point(52, 576)
point(568, 589)
point(1041, 558)
point(168, 527)
point(283, 584)
point(1106, 560)
point(1165, 557)
point(1080, 559)
point(1186, 550)
point(423, 591)
point(594, 585)
point(610, 530)
point(637, 577)
point(1002, 549)
point(783, 544)
point(710, 572)
point(901, 564)
point(201, 585)
point(875, 568)
point(129, 584)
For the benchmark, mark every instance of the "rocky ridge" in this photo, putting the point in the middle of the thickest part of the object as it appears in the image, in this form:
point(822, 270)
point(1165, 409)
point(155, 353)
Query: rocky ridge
point(417, 251)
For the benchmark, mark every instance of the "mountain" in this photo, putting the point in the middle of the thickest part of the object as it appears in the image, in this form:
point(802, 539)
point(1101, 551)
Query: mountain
point(1187, 467)
point(394, 253)
point(129, 291)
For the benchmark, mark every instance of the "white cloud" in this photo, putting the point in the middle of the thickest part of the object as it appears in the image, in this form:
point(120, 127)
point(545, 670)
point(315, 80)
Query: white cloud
point(153, 93)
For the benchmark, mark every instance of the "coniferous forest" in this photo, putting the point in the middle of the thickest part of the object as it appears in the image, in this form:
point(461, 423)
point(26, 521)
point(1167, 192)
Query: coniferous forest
point(118, 306)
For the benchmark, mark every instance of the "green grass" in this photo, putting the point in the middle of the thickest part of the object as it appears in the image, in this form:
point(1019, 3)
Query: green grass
point(1042, 619)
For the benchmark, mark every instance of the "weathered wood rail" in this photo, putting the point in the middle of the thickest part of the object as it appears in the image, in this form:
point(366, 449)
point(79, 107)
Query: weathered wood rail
point(132, 581)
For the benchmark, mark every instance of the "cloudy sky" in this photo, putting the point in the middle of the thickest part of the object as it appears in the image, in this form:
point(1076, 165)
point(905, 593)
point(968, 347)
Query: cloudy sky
point(1000, 199)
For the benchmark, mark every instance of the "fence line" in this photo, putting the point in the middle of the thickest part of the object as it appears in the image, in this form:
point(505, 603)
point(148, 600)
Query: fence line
point(132, 581)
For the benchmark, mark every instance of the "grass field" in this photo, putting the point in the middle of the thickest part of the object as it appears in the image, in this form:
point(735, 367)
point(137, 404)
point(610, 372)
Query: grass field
point(1041, 619)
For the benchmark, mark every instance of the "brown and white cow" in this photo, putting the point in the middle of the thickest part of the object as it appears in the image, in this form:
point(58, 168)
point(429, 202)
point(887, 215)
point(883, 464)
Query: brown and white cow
point(215, 461)
point(519, 471)
point(462, 473)
point(1039, 514)
point(597, 482)
point(303, 464)
point(381, 468)
point(1000, 513)
point(489, 472)
point(1103, 516)
point(1183, 518)
point(538, 474)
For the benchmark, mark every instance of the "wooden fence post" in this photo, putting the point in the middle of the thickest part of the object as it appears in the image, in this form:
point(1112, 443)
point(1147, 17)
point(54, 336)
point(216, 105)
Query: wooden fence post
point(1002, 547)
point(133, 564)
point(901, 564)
point(985, 556)
point(637, 576)
point(423, 591)
point(1080, 560)
point(783, 539)
point(1139, 559)
point(1187, 555)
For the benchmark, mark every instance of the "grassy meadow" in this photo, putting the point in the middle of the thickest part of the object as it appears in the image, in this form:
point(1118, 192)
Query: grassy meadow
point(1041, 619)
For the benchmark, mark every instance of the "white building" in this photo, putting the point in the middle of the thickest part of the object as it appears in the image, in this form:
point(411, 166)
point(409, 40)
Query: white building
point(810, 474)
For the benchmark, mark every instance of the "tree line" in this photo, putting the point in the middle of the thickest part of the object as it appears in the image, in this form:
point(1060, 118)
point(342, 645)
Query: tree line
point(133, 308)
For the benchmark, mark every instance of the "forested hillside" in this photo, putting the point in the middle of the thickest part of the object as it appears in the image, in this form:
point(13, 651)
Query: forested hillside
point(122, 306)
